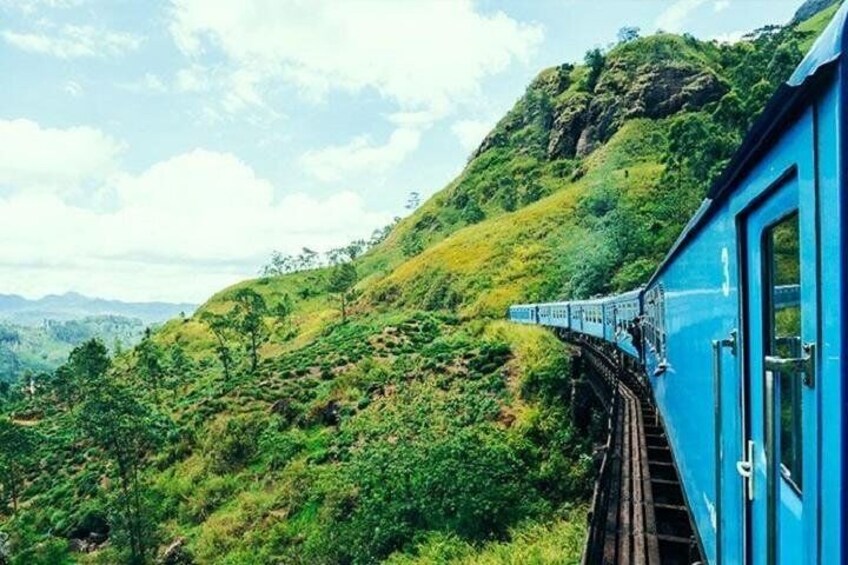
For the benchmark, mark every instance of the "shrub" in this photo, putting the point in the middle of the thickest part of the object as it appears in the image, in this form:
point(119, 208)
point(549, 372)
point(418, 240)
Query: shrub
point(233, 443)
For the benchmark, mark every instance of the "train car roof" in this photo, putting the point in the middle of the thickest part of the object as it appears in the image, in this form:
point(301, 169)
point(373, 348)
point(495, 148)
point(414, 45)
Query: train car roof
point(626, 295)
point(814, 69)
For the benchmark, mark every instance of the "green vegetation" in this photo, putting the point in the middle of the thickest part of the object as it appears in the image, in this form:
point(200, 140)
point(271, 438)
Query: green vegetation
point(27, 350)
point(371, 405)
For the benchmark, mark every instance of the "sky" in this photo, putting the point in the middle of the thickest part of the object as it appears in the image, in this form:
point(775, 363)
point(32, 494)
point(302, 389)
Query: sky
point(160, 150)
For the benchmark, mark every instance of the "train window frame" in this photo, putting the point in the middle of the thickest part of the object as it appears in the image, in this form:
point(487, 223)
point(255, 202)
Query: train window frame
point(654, 322)
point(794, 476)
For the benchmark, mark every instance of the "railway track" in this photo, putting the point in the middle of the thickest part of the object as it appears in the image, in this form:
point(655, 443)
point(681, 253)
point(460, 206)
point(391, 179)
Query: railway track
point(639, 514)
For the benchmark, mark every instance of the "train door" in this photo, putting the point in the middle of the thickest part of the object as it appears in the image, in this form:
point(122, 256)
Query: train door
point(780, 463)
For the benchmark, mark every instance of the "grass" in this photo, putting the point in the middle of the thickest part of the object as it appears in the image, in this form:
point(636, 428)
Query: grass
point(559, 541)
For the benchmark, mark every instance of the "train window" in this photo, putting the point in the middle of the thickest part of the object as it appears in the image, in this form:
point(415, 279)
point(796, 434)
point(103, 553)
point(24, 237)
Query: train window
point(654, 322)
point(783, 268)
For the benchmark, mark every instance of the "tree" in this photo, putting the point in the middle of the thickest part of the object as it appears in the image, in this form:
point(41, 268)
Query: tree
point(17, 447)
point(472, 213)
point(627, 34)
point(280, 264)
point(150, 363)
point(509, 200)
point(508, 194)
point(412, 244)
point(342, 280)
point(308, 259)
point(249, 318)
point(533, 191)
point(221, 327)
point(355, 248)
point(379, 235)
point(283, 311)
point(85, 370)
point(595, 60)
point(180, 364)
point(89, 363)
point(125, 431)
point(413, 201)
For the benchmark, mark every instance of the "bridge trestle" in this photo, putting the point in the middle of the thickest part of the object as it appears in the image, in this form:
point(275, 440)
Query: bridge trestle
point(639, 514)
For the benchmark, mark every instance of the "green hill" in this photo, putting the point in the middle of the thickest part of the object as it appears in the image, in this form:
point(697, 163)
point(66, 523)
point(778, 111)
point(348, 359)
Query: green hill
point(421, 427)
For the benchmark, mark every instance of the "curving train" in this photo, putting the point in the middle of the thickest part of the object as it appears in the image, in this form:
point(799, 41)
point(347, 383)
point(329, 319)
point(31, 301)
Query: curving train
point(741, 333)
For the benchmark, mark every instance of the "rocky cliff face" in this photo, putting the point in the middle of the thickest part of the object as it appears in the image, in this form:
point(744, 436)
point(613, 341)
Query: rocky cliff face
point(577, 117)
point(653, 91)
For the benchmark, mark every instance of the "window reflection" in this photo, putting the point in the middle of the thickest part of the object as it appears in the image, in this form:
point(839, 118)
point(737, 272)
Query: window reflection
point(784, 328)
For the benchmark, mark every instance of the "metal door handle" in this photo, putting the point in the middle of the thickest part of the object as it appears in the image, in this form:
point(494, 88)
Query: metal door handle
point(746, 469)
point(795, 366)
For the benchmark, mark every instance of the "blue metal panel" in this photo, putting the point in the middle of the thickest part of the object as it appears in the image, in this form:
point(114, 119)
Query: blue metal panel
point(833, 336)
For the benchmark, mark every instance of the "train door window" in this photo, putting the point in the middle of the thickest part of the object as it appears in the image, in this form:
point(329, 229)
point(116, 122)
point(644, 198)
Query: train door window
point(783, 331)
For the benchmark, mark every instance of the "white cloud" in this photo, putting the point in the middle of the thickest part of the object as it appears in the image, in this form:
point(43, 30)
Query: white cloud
point(70, 41)
point(180, 230)
point(421, 55)
point(193, 79)
point(361, 156)
point(471, 132)
point(676, 14)
point(32, 6)
point(721, 5)
point(150, 83)
point(73, 88)
point(38, 158)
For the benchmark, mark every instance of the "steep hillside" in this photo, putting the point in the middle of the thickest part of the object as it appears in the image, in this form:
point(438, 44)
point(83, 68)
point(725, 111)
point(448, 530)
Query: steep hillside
point(379, 408)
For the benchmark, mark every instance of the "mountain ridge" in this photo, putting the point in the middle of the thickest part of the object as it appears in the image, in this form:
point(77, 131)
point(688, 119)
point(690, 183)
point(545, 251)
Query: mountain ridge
point(73, 305)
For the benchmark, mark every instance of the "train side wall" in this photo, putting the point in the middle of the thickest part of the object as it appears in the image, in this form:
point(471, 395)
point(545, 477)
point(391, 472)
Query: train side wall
point(702, 303)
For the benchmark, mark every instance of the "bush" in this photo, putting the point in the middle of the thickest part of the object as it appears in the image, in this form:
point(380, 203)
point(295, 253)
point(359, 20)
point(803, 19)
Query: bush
point(233, 443)
point(471, 482)
point(280, 447)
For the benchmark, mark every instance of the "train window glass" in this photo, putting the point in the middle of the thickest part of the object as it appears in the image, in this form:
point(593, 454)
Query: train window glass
point(784, 338)
point(654, 322)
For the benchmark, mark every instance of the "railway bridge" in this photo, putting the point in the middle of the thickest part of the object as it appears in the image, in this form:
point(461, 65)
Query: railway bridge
point(639, 514)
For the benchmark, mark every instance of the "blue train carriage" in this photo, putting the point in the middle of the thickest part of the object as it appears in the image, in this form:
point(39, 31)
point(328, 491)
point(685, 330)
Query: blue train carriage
point(544, 314)
point(591, 313)
point(551, 314)
point(560, 315)
point(745, 332)
point(622, 322)
point(523, 313)
point(575, 312)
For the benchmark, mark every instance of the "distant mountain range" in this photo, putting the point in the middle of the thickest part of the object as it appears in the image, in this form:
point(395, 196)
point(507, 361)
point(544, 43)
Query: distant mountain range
point(73, 306)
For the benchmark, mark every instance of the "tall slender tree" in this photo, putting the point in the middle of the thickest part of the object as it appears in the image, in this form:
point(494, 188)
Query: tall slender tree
point(341, 283)
point(221, 327)
point(123, 429)
point(249, 318)
point(17, 448)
